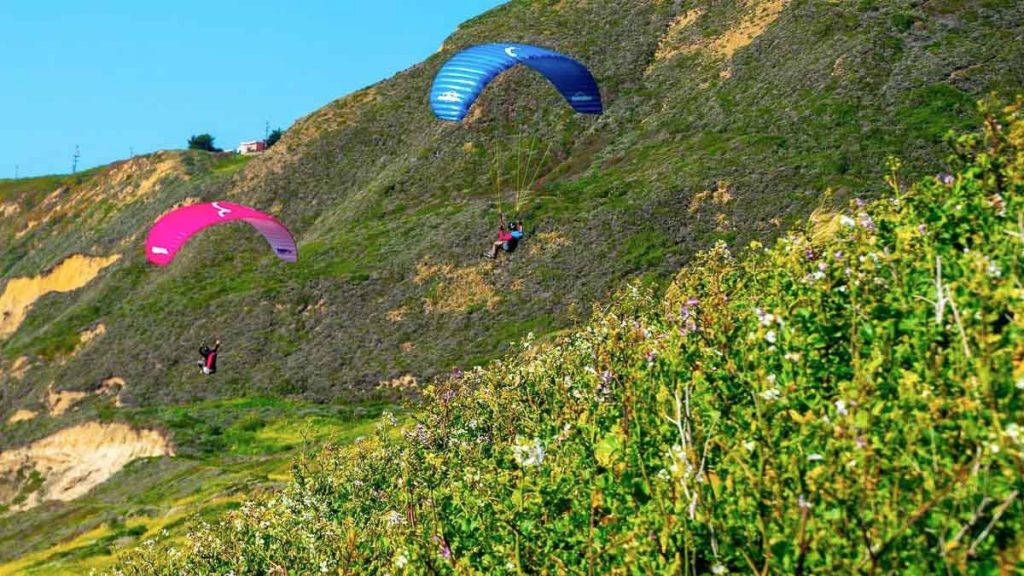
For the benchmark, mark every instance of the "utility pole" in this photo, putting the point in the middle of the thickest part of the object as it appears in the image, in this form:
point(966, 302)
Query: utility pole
point(74, 161)
point(266, 131)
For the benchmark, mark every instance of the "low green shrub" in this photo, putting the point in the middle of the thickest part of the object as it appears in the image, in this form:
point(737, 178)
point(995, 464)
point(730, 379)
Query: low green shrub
point(849, 400)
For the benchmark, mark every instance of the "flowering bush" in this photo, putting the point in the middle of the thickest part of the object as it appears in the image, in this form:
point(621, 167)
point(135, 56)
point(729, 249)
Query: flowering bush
point(850, 400)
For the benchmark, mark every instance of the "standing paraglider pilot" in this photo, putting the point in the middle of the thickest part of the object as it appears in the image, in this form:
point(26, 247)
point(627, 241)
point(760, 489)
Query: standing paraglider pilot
point(208, 365)
point(508, 238)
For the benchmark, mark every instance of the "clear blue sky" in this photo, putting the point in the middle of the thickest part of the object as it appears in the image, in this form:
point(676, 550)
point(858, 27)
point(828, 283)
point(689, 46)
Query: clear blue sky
point(113, 75)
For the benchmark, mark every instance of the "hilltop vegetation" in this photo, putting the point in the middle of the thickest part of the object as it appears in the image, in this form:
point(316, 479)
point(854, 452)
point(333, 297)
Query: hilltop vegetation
point(726, 122)
point(848, 401)
point(225, 450)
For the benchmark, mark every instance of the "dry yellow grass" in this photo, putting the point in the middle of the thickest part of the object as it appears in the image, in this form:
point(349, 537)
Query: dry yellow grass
point(84, 338)
point(458, 289)
point(89, 335)
point(340, 113)
point(123, 183)
point(546, 242)
point(720, 196)
point(21, 293)
point(679, 39)
point(824, 225)
point(397, 314)
point(761, 13)
point(839, 67)
point(142, 175)
point(113, 386)
point(20, 415)
point(186, 202)
point(404, 382)
point(20, 366)
point(669, 46)
point(60, 402)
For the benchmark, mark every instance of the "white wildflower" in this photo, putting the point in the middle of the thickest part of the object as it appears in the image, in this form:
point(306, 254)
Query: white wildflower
point(770, 336)
point(528, 452)
point(792, 356)
point(750, 445)
point(771, 394)
point(1014, 432)
point(718, 569)
point(847, 221)
point(394, 518)
point(993, 270)
point(841, 407)
point(815, 458)
point(401, 561)
point(1020, 383)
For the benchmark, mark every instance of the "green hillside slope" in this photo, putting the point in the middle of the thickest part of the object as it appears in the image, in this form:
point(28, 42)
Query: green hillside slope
point(725, 122)
point(381, 195)
point(847, 401)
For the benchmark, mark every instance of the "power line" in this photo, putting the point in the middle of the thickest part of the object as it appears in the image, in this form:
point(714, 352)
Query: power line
point(74, 161)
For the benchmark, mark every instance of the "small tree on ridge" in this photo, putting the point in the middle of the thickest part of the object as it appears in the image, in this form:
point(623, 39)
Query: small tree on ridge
point(202, 142)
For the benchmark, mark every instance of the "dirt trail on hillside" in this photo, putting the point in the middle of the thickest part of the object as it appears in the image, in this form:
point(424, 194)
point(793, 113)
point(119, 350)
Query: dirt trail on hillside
point(73, 461)
point(21, 293)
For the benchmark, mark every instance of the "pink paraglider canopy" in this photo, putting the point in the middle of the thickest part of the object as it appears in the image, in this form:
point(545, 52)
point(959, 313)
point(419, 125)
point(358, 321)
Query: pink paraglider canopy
point(173, 230)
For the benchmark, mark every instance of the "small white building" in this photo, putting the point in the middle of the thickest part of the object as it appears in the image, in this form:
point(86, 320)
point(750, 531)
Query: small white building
point(251, 147)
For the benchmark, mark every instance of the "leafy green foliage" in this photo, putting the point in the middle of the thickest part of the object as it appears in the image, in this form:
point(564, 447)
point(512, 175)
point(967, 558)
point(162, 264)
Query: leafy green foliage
point(274, 136)
point(224, 449)
point(202, 142)
point(846, 401)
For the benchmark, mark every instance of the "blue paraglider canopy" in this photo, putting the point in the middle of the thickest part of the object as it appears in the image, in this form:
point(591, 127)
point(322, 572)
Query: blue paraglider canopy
point(462, 78)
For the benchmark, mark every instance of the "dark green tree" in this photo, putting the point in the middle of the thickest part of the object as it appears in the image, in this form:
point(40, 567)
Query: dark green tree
point(274, 137)
point(202, 142)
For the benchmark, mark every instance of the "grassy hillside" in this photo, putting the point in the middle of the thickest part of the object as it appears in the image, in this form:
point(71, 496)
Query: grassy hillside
point(725, 122)
point(226, 450)
point(848, 401)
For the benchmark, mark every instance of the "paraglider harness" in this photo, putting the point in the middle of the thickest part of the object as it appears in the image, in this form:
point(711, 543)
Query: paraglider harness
point(208, 365)
point(510, 238)
point(512, 243)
